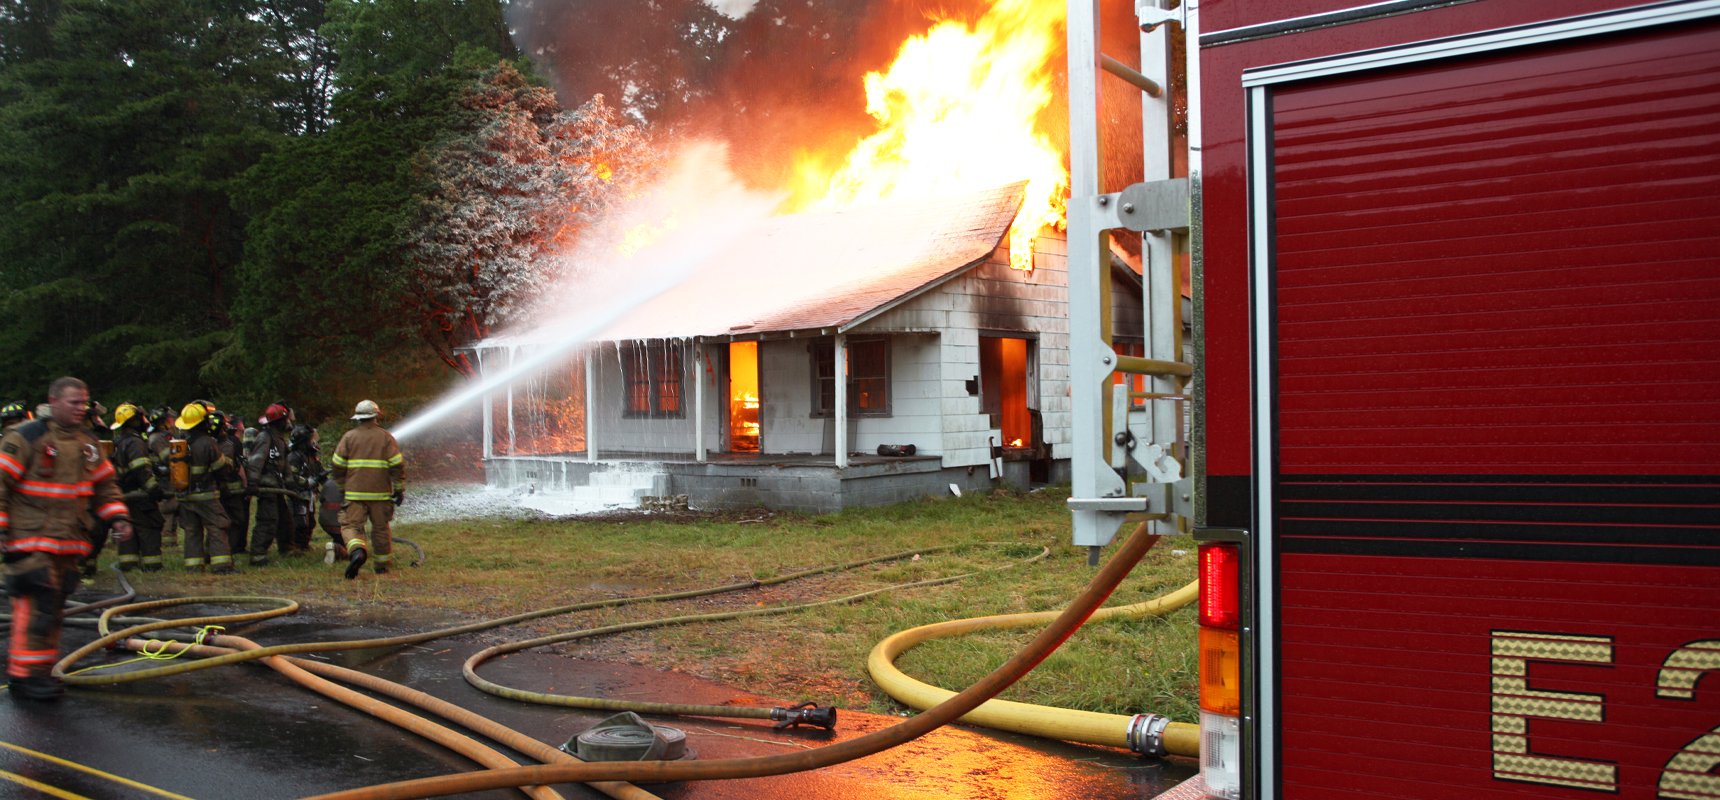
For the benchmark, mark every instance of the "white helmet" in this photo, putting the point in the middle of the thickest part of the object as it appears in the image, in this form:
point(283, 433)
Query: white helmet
point(366, 409)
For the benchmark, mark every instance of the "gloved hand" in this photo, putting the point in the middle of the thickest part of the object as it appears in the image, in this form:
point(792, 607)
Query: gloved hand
point(400, 497)
point(250, 490)
point(157, 494)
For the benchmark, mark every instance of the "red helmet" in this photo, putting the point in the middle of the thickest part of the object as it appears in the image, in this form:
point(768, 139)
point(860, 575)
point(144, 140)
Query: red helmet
point(274, 413)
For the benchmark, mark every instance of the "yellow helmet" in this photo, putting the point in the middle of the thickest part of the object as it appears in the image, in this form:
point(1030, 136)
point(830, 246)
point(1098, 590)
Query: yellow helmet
point(191, 416)
point(123, 414)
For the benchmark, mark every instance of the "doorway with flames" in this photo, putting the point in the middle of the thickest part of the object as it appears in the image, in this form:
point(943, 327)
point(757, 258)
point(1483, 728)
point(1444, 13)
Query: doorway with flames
point(1009, 396)
point(741, 412)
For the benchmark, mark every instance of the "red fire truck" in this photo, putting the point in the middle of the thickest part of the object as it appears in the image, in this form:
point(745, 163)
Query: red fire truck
point(1456, 440)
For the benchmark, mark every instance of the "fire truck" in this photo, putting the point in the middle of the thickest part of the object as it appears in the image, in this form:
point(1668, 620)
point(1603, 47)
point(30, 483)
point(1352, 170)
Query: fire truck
point(1453, 403)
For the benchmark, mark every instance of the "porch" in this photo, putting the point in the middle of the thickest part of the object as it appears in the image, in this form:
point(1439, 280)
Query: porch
point(807, 483)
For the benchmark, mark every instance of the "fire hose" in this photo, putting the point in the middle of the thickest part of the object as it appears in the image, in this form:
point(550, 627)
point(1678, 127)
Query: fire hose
point(282, 606)
point(1042, 645)
point(1148, 734)
point(1103, 583)
point(803, 714)
point(320, 677)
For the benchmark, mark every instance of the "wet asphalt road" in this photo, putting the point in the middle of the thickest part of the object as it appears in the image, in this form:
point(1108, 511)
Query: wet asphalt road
point(244, 731)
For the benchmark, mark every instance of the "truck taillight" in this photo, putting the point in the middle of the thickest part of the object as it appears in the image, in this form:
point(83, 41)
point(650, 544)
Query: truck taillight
point(1218, 587)
point(1220, 670)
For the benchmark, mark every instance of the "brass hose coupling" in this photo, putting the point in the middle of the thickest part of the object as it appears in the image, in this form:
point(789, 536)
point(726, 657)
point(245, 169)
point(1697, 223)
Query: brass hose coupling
point(807, 713)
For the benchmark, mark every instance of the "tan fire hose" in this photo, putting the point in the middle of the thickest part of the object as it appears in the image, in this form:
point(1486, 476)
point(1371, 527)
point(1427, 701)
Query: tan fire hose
point(301, 671)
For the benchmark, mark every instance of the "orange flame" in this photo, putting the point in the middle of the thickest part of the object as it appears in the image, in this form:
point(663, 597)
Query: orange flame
point(956, 112)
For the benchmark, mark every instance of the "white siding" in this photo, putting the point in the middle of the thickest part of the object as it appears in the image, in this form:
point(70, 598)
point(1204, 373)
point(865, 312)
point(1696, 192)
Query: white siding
point(995, 299)
point(915, 399)
point(616, 432)
point(786, 424)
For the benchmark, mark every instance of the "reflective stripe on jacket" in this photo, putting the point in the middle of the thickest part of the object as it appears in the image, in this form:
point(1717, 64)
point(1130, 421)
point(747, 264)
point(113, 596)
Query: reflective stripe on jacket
point(367, 463)
point(53, 483)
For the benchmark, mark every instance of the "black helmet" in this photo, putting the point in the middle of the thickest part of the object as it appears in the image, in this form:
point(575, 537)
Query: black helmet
point(301, 434)
point(159, 416)
point(13, 412)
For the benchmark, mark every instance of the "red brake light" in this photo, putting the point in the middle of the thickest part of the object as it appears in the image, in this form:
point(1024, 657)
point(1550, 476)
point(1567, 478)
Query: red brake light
point(1220, 603)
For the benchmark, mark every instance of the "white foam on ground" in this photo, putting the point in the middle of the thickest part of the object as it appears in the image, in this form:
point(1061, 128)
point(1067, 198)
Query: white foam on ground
point(440, 502)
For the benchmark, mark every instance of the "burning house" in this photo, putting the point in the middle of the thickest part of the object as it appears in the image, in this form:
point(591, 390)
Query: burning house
point(824, 360)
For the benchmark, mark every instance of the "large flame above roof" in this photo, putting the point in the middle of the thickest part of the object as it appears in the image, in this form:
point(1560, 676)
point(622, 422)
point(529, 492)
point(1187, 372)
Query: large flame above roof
point(958, 111)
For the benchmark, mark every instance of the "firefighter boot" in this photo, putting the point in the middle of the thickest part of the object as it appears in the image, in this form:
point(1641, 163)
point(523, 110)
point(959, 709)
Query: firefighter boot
point(36, 687)
point(355, 561)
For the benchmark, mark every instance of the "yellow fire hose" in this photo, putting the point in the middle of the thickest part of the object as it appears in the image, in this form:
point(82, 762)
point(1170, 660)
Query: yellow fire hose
point(1071, 725)
point(1047, 641)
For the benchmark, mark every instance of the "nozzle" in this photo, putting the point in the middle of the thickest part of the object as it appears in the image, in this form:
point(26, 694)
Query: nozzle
point(804, 714)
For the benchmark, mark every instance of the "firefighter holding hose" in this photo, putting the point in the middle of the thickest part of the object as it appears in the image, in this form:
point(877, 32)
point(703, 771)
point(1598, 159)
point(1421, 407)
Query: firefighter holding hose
point(54, 485)
point(372, 474)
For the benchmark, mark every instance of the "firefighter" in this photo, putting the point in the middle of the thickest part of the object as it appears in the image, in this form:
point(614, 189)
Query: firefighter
point(201, 516)
point(161, 449)
point(50, 468)
point(235, 500)
point(372, 475)
point(135, 466)
point(267, 477)
point(96, 422)
point(13, 414)
point(304, 461)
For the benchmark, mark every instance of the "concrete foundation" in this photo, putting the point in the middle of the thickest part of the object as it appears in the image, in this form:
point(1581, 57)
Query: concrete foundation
point(809, 484)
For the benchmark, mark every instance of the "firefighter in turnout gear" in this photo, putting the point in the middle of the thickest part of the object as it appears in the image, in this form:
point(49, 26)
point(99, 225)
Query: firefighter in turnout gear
point(305, 463)
point(235, 500)
point(54, 485)
point(13, 414)
point(143, 492)
point(372, 474)
point(161, 450)
point(201, 516)
point(268, 477)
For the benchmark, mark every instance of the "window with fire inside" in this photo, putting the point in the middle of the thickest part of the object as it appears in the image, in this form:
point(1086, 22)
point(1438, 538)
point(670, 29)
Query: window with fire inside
point(868, 377)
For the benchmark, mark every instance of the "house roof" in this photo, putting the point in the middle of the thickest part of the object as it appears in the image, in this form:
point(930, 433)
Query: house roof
point(817, 271)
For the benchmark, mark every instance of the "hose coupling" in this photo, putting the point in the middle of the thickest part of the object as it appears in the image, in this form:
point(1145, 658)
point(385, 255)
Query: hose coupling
point(807, 713)
point(1147, 734)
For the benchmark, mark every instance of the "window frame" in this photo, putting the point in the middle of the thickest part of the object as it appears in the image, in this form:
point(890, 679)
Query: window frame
point(657, 357)
point(816, 352)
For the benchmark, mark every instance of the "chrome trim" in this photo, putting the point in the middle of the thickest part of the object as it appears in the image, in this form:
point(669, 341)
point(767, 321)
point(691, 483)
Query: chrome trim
point(1485, 41)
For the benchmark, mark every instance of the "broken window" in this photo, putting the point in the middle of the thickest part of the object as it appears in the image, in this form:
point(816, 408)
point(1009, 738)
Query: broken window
point(651, 376)
point(868, 377)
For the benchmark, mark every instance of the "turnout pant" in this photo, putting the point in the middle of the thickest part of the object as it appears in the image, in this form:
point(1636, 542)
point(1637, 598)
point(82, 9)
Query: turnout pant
point(380, 542)
point(238, 508)
point(169, 509)
point(205, 526)
point(274, 525)
point(39, 584)
point(144, 546)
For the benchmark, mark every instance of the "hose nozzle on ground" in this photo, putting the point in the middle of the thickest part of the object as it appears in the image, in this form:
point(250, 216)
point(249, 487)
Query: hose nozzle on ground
point(807, 713)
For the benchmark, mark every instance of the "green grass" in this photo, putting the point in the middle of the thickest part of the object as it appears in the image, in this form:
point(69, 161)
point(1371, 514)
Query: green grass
point(487, 568)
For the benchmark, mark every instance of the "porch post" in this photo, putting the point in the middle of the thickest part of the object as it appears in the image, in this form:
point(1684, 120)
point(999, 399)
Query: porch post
point(511, 450)
point(699, 401)
point(841, 379)
point(489, 411)
point(591, 403)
